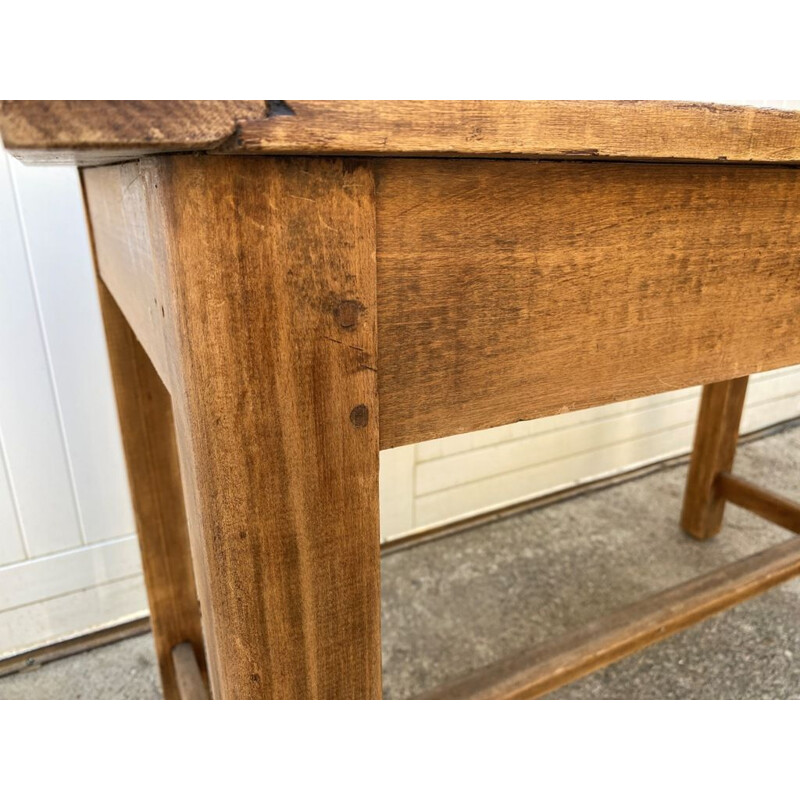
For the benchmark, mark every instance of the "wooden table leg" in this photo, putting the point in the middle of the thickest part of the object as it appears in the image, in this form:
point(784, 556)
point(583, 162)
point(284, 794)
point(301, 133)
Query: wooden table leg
point(148, 437)
point(270, 275)
point(714, 450)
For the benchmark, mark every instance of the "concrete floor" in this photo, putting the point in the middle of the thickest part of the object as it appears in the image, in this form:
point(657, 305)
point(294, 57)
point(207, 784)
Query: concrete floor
point(456, 604)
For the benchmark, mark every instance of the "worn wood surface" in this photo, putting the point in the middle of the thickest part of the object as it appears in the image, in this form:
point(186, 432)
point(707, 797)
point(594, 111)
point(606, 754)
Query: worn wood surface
point(499, 291)
point(714, 450)
point(117, 199)
point(557, 662)
point(766, 504)
point(188, 675)
point(148, 438)
point(270, 268)
point(540, 129)
point(88, 132)
point(514, 290)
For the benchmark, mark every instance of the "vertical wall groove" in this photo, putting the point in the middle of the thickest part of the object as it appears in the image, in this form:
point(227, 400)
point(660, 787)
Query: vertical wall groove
point(46, 345)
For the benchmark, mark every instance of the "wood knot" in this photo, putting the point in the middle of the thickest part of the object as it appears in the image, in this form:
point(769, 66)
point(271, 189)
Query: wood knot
point(347, 312)
point(359, 416)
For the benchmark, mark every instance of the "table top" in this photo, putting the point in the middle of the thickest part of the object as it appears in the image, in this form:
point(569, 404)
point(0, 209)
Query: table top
point(88, 132)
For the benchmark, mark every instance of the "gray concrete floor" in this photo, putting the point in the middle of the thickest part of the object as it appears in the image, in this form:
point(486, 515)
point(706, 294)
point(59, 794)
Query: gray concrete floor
point(461, 602)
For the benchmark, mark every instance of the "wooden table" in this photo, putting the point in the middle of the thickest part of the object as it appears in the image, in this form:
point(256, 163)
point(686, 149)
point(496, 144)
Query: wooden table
point(289, 287)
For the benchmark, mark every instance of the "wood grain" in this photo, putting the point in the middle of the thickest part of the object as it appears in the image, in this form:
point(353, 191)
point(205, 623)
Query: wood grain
point(640, 130)
point(557, 662)
point(772, 507)
point(514, 290)
point(189, 677)
point(499, 291)
point(148, 438)
point(88, 132)
point(117, 199)
point(714, 450)
point(550, 286)
point(271, 272)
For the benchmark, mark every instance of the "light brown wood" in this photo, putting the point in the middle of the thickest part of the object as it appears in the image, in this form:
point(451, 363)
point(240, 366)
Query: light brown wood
point(86, 132)
point(191, 685)
point(148, 438)
point(499, 291)
point(568, 658)
point(525, 129)
point(219, 320)
point(741, 492)
point(714, 450)
point(551, 286)
point(514, 290)
point(91, 132)
point(271, 315)
point(126, 253)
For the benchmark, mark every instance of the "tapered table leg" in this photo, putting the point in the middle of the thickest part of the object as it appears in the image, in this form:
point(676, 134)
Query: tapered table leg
point(270, 276)
point(714, 450)
point(148, 437)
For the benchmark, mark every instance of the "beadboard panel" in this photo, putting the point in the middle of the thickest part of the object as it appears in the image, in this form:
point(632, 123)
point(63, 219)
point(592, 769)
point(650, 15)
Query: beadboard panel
point(397, 491)
point(69, 560)
point(49, 577)
point(11, 548)
point(61, 267)
point(27, 627)
point(32, 436)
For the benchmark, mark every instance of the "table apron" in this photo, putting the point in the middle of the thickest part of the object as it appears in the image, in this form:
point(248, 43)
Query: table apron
point(510, 290)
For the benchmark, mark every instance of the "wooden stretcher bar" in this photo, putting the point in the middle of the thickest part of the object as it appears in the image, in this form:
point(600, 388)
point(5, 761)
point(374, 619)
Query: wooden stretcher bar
point(191, 685)
point(565, 659)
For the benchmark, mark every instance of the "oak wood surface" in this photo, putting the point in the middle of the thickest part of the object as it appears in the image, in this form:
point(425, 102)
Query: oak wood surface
point(148, 437)
point(127, 249)
point(714, 450)
point(92, 132)
point(271, 312)
point(505, 290)
point(189, 678)
point(88, 132)
point(766, 504)
point(540, 129)
point(512, 290)
point(559, 661)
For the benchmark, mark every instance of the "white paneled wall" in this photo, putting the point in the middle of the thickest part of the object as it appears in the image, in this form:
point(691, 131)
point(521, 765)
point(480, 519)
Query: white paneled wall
point(69, 561)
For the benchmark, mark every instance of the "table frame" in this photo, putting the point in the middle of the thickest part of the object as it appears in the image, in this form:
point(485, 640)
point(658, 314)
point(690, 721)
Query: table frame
point(276, 315)
point(247, 291)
